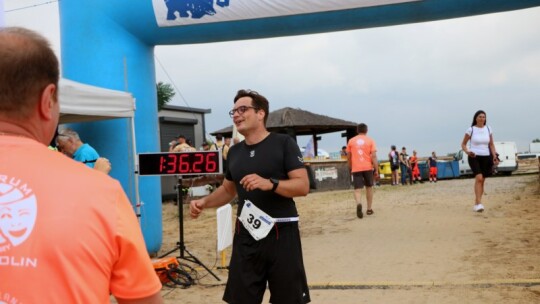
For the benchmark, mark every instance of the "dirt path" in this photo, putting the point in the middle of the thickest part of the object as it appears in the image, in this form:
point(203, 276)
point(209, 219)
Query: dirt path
point(424, 244)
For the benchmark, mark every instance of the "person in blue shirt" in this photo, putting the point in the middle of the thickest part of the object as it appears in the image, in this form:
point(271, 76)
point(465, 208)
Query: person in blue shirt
point(69, 143)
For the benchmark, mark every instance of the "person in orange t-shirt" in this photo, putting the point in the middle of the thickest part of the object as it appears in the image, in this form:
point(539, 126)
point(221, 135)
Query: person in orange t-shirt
point(413, 160)
point(362, 159)
point(67, 230)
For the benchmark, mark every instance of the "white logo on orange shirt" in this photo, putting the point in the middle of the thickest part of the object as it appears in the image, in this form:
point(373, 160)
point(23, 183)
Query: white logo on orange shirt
point(18, 211)
point(6, 298)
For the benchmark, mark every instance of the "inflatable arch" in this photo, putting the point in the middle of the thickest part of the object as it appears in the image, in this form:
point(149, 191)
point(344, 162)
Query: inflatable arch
point(111, 44)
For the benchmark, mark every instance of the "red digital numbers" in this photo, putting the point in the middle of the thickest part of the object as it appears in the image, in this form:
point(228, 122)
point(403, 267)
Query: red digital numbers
point(171, 164)
point(162, 162)
point(185, 163)
point(211, 162)
point(199, 159)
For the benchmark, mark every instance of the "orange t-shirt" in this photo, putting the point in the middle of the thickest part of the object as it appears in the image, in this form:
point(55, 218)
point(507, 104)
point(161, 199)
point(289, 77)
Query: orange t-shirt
point(361, 148)
point(68, 233)
point(413, 160)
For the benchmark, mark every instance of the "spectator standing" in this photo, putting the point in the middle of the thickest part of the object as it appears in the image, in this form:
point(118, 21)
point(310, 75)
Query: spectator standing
point(413, 160)
point(393, 157)
point(482, 154)
point(219, 141)
point(182, 145)
point(363, 165)
point(77, 236)
point(405, 167)
point(432, 163)
point(266, 171)
point(343, 152)
point(69, 143)
point(206, 146)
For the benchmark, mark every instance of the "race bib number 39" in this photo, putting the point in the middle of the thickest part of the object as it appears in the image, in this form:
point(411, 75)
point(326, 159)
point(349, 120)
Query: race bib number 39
point(256, 221)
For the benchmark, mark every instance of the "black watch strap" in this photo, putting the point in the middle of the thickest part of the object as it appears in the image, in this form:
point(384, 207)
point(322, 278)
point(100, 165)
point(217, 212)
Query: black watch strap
point(275, 183)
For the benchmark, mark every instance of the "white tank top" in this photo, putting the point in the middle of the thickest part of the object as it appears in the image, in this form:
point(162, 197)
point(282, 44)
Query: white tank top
point(479, 140)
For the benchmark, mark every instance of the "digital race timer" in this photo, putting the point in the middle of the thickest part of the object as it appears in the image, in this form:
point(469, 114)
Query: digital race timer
point(180, 163)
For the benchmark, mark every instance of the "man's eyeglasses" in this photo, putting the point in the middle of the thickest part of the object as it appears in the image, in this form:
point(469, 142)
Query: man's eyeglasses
point(241, 110)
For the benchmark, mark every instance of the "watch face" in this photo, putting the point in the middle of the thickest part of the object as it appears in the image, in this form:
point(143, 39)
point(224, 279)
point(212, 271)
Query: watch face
point(181, 163)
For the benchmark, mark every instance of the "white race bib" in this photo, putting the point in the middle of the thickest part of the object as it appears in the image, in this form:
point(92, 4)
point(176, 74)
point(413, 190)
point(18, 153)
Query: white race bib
point(256, 221)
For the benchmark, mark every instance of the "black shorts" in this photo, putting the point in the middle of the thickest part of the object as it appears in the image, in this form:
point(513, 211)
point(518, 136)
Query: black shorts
point(276, 259)
point(394, 167)
point(362, 178)
point(481, 165)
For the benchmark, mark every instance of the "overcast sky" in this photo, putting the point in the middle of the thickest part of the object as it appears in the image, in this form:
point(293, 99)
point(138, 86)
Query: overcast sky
point(415, 85)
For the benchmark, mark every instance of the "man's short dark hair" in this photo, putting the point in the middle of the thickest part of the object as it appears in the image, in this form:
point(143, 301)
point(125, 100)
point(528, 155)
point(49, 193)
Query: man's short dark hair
point(257, 100)
point(181, 136)
point(362, 128)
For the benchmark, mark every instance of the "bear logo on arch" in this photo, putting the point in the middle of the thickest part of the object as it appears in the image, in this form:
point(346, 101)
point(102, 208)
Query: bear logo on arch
point(194, 8)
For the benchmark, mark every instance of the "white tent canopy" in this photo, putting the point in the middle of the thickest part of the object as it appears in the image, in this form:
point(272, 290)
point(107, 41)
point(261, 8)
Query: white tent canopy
point(81, 102)
point(84, 103)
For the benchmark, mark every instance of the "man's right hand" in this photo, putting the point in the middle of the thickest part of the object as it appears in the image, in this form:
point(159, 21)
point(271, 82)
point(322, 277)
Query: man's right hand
point(102, 164)
point(195, 208)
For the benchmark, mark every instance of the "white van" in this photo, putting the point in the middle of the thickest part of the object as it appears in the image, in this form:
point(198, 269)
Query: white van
point(507, 154)
point(464, 168)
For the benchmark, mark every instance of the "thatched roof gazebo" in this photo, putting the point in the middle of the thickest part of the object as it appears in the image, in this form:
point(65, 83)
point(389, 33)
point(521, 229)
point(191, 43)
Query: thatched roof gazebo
point(297, 122)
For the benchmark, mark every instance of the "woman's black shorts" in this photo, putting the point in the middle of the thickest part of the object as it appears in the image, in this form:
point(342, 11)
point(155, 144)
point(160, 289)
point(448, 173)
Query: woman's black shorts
point(481, 165)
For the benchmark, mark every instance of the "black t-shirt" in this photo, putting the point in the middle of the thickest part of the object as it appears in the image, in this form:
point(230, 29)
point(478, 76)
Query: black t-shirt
point(273, 157)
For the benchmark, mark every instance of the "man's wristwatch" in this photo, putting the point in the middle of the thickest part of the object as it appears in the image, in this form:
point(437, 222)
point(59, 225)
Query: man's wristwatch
point(275, 183)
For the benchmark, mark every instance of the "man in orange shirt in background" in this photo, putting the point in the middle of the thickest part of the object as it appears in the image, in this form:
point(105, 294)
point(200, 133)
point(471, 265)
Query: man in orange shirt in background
point(68, 230)
point(362, 158)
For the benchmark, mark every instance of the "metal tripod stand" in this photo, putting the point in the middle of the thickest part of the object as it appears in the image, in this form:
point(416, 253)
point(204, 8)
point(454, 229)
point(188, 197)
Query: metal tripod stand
point(180, 245)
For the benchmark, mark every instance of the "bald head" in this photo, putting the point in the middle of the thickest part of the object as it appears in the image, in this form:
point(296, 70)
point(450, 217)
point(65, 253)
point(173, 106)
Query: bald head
point(29, 75)
point(28, 65)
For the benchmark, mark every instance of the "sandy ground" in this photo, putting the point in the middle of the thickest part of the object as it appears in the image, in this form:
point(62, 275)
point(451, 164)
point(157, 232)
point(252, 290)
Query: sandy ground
point(424, 244)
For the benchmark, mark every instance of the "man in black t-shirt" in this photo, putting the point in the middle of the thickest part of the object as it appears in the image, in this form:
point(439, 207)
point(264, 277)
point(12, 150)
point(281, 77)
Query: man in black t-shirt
point(266, 171)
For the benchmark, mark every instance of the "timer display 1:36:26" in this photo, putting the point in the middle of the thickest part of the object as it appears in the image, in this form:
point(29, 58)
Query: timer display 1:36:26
point(182, 163)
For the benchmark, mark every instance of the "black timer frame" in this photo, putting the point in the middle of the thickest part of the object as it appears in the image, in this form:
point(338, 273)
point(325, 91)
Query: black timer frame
point(180, 245)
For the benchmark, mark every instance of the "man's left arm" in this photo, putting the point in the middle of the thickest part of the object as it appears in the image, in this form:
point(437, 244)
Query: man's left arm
point(296, 185)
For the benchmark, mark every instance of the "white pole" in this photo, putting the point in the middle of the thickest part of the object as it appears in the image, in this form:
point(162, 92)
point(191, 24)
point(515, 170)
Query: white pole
point(138, 203)
point(2, 22)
